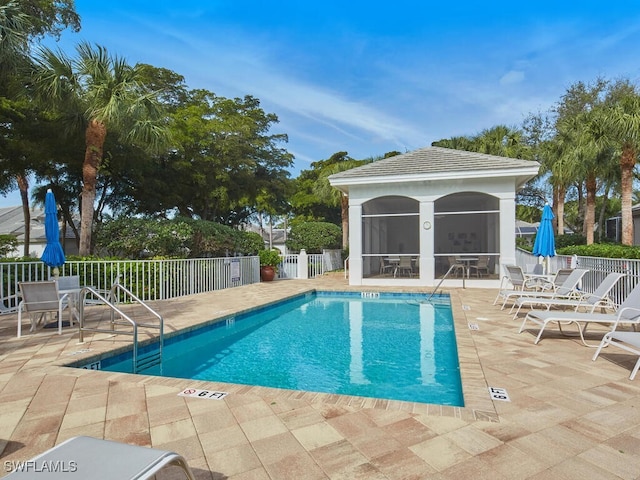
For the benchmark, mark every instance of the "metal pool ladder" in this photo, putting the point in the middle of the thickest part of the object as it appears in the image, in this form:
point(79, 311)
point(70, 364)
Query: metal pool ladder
point(110, 299)
point(443, 279)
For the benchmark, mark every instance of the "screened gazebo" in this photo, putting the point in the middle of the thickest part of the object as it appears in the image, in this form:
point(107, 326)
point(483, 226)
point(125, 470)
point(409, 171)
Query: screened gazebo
point(416, 216)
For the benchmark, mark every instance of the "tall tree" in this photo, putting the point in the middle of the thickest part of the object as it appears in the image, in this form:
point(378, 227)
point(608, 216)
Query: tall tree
point(104, 94)
point(338, 162)
point(574, 156)
point(21, 22)
point(225, 161)
point(617, 124)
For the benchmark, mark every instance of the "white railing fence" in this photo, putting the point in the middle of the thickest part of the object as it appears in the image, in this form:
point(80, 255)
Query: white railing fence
point(157, 279)
point(597, 267)
point(290, 266)
point(147, 279)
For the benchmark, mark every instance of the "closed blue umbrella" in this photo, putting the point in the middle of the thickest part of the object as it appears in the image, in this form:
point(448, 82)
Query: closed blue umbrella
point(545, 243)
point(53, 256)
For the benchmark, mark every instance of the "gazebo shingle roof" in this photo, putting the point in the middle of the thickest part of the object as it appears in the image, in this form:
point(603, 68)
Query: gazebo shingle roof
point(434, 161)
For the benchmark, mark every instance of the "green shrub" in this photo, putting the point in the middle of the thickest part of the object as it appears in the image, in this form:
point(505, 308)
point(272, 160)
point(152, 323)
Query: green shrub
point(248, 243)
point(604, 250)
point(140, 238)
point(269, 258)
point(314, 237)
point(524, 244)
point(8, 244)
point(570, 239)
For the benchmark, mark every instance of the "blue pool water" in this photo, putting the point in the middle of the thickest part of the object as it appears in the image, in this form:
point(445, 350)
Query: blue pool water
point(396, 347)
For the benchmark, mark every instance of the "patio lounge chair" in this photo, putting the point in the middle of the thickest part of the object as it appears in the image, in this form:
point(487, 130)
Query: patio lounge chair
point(567, 289)
point(537, 286)
point(518, 281)
point(589, 301)
point(40, 299)
point(629, 341)
point(95, 459)
point(627, 313)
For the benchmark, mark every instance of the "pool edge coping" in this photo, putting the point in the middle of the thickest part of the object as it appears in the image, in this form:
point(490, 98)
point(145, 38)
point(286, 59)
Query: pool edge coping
point(478, 404)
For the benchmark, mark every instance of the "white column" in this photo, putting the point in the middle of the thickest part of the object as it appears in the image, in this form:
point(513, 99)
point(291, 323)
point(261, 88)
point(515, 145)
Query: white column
point(355, 245)
point(303, 265)
point(507, 229)
point(427, 260)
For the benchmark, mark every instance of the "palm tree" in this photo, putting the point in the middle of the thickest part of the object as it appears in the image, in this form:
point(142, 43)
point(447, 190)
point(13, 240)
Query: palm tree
point(14, 28)
point(586, 158)
point(620, 127)
point(338, 162)
point(101, 93)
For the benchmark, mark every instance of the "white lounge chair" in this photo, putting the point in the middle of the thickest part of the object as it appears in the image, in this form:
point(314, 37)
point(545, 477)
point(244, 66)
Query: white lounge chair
point(629, 341)
point(518, 281)
point(627, 313)
point(40, 299)
point(589, 301)
point(89, 458)
point(567, 289)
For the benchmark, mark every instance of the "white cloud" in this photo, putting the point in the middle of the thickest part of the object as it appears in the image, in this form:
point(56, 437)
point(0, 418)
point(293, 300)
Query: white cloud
point(512, 77)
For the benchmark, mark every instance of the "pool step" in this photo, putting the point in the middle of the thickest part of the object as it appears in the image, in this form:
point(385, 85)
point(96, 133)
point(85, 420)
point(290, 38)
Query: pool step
point(148, 360)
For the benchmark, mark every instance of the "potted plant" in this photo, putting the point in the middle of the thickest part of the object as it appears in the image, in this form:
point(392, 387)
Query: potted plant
point(269, 261)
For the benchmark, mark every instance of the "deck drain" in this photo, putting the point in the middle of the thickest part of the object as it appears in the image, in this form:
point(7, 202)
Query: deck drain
point(474, 326)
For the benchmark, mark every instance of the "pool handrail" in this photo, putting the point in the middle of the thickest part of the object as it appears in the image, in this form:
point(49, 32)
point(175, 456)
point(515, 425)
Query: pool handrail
point(452, 267)
point(107, 300)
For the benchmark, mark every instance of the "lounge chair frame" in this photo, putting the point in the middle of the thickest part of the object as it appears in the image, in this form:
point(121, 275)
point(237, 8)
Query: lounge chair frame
point(589, 301)
point(90, 458)
point(628, 313)
point(628, 341)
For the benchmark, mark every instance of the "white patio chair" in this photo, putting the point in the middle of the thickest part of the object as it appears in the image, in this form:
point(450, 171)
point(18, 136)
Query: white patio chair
point(589, 301)
point(405, 266)
point(568, 289)
point(628, 313)
point(95, 459)
point(629, 341)
point(70, 284)
point(386, 266)
point(481, 267)
point(38, 300)
point(520, 284)
point(456, 266)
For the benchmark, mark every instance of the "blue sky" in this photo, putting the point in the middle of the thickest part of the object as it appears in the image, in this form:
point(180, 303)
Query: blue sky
point(371, 77)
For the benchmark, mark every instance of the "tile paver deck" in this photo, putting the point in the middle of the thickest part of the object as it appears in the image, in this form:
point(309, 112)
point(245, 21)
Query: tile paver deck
point(568, 417)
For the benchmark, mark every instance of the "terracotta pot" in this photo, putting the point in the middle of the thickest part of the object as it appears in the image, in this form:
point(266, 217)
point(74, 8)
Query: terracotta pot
point(267, 273)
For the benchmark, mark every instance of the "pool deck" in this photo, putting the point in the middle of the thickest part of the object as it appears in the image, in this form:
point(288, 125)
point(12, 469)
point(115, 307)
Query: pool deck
point(567, 417)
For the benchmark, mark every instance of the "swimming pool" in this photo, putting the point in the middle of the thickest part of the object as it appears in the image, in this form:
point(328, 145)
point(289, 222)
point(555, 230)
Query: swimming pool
point(393, 346)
